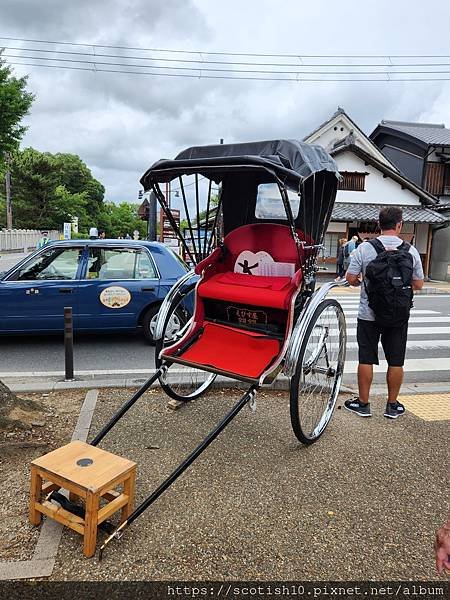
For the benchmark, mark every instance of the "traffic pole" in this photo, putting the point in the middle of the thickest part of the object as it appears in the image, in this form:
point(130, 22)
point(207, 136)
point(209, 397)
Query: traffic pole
point(68, 343)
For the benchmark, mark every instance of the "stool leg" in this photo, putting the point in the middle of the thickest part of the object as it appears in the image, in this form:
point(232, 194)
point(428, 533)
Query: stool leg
point(128, 489)
point(90, 524)
point(35, 496)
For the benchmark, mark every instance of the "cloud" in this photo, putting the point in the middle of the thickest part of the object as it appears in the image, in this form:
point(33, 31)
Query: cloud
point(121, 123)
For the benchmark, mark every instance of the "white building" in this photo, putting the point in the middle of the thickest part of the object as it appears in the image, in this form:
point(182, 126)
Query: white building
point(371, 181)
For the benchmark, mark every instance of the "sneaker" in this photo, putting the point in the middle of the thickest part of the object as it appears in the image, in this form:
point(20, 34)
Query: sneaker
point(356, 406)
point(394, 410)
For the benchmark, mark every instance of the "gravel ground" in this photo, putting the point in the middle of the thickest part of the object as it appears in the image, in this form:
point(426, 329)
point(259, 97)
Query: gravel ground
point(362, 503)
point(17, 536)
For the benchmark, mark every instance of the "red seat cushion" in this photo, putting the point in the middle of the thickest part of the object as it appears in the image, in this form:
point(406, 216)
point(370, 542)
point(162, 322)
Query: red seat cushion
point(217, 345)
point(273, 292)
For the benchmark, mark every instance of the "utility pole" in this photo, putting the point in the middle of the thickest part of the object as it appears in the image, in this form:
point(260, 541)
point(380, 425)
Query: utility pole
point(152, 217)
point(8, 191)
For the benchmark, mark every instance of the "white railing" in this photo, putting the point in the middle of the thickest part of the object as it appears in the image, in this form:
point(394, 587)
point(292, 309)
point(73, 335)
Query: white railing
point(22, 239)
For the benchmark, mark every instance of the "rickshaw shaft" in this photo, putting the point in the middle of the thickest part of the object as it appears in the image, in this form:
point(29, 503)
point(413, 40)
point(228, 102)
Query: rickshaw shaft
point(248, 396)
point(119, 414)
point(194, 454)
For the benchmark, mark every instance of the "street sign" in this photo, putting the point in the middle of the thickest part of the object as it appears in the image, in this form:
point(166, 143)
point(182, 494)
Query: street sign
point(165, 228)
point(67, 231)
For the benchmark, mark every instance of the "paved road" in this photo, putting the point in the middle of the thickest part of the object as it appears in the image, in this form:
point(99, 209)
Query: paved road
point(428, 357)
point(9, 260)
point(428, 353)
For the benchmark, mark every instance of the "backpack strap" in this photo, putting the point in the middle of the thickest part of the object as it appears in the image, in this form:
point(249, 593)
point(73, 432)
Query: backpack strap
point(404, 247)
point(377, 245)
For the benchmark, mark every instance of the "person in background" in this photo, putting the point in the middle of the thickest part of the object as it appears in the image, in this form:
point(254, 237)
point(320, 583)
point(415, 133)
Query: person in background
point(44, 240)
point(93, 233)
point(349, 247)
point(101, 234)
point(340, 271)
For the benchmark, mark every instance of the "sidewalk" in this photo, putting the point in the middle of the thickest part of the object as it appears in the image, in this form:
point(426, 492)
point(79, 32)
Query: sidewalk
point(260, 506)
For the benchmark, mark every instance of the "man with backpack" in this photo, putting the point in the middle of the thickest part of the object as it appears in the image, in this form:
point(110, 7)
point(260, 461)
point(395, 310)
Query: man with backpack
point(389, 270)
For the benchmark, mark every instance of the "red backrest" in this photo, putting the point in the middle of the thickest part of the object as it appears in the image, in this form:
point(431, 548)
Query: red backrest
point(273, 238)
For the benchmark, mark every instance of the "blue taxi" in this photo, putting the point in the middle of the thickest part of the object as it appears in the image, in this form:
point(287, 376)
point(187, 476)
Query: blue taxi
point(111, 285)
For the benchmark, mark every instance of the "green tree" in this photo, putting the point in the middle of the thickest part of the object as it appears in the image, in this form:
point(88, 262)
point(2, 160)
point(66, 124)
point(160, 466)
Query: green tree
point(118, 220)
point(49, 189)
point(15, 102)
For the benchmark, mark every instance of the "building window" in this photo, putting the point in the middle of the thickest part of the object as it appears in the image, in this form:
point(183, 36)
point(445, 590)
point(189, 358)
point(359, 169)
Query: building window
point(269, 204)
point(352, 181)
point(446, 190)
point(330, 245)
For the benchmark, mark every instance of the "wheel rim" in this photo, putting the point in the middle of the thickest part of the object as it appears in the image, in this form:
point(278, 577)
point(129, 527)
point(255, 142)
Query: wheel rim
point(181, 382)
point(322, 363)
point(173, 327)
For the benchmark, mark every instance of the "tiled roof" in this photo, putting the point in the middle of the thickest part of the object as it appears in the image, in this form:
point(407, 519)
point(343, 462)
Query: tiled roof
point(430, 133)
point(344, 211)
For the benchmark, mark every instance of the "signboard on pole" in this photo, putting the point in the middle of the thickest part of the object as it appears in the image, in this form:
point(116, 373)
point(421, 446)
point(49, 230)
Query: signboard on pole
point(67, 231)
point(167, 234)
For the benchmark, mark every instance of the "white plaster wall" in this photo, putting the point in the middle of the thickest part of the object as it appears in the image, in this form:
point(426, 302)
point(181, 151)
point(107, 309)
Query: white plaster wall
point(337, 227)
point(421, 239)
point(329, 136)
point(379, 190)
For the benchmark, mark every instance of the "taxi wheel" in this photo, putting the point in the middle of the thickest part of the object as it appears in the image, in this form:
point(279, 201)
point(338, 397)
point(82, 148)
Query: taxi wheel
point(149, 323)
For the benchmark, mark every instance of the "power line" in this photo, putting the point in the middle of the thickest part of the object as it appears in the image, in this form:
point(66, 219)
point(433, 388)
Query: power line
point(94, 69)
point(299, 55)
point(95, 62)
point(225, 62)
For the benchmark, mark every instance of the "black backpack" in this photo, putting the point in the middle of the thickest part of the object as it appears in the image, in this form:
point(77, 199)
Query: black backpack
point(388, 282)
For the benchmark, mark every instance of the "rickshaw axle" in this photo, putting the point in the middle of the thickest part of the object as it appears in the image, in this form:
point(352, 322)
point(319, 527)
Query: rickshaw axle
point(248, 397)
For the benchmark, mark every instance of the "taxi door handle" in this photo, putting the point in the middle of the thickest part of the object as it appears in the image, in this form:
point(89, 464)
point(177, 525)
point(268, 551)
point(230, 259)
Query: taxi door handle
point(148, 289)
point(65, 290)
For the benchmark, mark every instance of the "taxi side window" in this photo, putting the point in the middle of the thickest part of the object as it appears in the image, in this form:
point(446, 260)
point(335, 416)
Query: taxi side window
point(53, 264)
point(119, 263)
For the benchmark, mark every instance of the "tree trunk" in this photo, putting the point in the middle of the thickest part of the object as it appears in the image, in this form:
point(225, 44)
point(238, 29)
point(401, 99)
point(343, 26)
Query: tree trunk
point(15, 412)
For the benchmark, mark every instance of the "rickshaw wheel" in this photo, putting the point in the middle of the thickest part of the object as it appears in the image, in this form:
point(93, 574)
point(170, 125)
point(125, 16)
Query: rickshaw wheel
point(317, 379)
point(180, 382)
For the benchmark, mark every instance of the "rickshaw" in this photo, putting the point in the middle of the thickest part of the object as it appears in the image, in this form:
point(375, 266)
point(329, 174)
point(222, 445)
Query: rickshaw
point(256, 214)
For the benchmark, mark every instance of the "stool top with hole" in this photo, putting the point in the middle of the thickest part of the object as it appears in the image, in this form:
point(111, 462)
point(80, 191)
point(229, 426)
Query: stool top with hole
point(88, 467)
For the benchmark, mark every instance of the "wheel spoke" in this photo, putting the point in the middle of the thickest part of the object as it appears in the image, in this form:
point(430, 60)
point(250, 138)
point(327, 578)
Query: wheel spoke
point(319, 372)
point(181, 382)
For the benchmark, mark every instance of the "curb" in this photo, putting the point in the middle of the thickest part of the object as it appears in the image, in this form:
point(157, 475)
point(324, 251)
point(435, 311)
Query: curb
point(44, 557)
point(281, 383)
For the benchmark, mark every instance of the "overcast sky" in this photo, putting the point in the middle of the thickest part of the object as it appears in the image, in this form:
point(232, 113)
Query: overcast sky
point(119, 124)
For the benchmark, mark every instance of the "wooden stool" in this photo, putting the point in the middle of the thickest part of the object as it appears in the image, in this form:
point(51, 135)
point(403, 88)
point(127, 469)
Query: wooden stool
point(89, 473)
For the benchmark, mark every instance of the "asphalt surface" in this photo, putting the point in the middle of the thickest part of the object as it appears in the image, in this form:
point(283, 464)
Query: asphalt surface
point(9, 260)
point(117, 355)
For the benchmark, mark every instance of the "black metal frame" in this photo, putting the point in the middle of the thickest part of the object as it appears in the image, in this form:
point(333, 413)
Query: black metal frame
point(247, 397)
point(186, 463)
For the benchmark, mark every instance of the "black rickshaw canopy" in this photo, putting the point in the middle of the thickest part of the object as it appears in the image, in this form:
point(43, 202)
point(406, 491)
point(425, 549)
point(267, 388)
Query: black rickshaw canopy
point(305, 169)
point(290, 161)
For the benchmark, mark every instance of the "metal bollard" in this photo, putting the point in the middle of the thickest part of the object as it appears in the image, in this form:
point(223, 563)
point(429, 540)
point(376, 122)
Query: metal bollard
point(68, 343)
